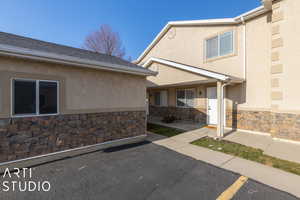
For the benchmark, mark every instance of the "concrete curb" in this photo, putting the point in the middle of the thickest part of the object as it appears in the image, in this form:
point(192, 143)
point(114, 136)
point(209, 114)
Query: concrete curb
point(36, 160)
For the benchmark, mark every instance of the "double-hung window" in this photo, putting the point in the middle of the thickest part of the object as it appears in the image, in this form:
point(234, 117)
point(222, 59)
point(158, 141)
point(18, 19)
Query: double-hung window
point(220, 45)
point(161, 98)
point(185, 98)
point(34, 97)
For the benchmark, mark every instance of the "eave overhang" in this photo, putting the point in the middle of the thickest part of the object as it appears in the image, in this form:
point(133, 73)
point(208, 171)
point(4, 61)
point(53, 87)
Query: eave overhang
point(7, 50)
point(195, 70)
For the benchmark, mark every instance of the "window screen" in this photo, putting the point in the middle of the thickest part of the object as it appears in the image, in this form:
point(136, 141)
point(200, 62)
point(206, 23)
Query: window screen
point(212, 47)
point(48, 97)
point(180, 98)
point(189, 98)
point(226, 43)
point(24, 97)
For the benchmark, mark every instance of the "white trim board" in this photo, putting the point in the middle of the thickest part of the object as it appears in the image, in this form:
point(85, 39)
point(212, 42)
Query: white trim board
point(223, 21)
point(195, 70)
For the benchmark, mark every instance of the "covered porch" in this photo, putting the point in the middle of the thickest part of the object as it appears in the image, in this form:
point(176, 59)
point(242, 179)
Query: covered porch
point(188, 94)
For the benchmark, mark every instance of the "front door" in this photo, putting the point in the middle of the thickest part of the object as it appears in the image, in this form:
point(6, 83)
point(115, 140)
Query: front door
point(212, 105)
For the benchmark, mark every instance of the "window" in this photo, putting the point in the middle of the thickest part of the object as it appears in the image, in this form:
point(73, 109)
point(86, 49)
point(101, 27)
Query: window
point(220, 45)
point(212, 47)
point(47, 97)
point(34, 97)
point(24, 97)
point(185, 98)
point(157, 98)
point(161, 98)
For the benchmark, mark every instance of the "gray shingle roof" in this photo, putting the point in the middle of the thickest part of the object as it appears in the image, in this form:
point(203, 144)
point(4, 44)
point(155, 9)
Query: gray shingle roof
point(47, 47)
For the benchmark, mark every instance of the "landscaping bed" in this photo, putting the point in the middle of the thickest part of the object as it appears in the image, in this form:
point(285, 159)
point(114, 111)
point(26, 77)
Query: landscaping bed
point(163, 130)
point(248, 153)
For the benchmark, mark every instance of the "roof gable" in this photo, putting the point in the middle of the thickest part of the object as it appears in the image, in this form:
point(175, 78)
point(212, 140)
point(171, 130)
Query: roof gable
point(225, 21)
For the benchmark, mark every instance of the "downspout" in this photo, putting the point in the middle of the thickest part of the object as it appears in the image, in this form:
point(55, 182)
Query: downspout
point(245, 47)
point(223, 109)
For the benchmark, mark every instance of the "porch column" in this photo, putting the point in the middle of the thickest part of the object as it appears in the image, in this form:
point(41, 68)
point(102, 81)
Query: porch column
point(220, 109)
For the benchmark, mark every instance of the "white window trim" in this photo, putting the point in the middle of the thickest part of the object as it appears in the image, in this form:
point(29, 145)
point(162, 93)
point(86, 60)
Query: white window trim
point(185, 89)
point(37, 114)
point(219, 50)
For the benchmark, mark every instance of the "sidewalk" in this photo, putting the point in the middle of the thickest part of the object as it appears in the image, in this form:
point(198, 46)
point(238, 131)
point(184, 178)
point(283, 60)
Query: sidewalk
point(283, 150)
point(270, 176)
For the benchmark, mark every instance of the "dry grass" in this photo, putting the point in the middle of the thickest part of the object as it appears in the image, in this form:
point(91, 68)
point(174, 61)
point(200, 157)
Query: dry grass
point(248, 153)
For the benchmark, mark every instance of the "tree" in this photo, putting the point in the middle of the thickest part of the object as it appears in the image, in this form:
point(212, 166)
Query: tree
point(105, 41)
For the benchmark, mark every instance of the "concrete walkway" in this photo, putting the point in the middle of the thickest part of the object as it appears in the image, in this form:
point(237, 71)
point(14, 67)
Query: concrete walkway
point(279, 149)
point(183, 125)
point(271, 147)
point(270, 176)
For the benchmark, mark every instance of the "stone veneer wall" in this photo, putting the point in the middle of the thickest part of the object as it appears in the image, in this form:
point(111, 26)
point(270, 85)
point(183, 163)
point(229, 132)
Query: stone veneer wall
point(31, 136)
point(249, 120)
point(286, 126)
point(193, 114)
point(279, 125)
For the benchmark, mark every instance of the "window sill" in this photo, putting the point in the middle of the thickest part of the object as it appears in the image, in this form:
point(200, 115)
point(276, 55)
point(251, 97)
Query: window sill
point(33, 115)
point(207, 60)
point(185, 107)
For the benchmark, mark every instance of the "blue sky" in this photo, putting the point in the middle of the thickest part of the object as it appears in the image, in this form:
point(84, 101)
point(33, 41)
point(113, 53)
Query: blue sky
point(137, 21)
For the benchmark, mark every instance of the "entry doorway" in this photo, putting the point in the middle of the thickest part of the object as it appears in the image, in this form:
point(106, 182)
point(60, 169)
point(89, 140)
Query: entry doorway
point(212, 106)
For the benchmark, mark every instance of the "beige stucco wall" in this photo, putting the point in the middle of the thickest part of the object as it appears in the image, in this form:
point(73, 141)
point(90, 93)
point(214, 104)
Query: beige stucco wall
point(255, 93)
point(169, 75)
point(200, 94)
point(82, 90)
point(289, 80)
point(185, 44)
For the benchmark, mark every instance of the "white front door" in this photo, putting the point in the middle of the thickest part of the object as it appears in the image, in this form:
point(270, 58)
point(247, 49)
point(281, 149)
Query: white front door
point(212, 105)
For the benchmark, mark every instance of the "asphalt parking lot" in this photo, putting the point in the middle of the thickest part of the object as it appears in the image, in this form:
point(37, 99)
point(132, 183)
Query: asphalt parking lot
point(142, 171)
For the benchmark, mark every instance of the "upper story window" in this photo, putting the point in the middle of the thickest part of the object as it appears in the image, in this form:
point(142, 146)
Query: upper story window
point(220, 45)
point(34, 97)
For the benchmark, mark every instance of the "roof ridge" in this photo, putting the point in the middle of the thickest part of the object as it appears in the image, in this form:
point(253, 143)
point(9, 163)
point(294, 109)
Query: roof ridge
point(21, 45)
point(60, 45)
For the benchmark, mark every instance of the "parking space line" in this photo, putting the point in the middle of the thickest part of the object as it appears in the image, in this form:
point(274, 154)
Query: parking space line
point(233, 189)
